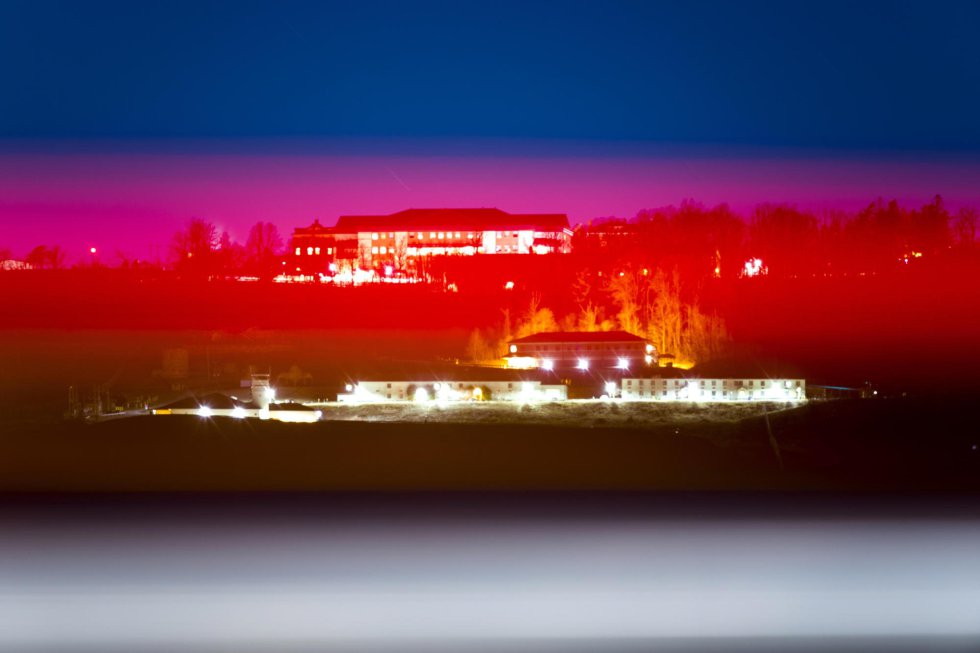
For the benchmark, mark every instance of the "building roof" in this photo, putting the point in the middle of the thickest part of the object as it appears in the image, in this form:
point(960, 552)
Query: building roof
point(446, 219)
point(453, 374)
point(578, 336)
point(213, 400)
point(314, 229)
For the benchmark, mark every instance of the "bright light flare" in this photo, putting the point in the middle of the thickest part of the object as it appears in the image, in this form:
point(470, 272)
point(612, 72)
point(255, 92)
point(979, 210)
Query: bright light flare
point(623, 364)
point(583, 364)
point(547, 364)
point(754, 267)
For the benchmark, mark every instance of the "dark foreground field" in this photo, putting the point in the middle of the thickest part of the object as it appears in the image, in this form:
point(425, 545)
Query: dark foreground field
point(906, 445)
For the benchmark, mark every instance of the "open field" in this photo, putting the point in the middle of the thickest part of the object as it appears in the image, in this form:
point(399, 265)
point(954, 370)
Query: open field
point(864, 445)
point(589, 413)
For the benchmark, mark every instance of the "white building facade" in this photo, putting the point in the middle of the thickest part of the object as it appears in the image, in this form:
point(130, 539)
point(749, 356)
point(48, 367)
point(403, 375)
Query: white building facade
point(400, 239)
point(446, 391)
point(678, 389)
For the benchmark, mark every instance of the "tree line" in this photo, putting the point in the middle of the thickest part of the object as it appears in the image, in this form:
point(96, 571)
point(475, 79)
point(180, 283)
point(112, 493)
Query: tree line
point(716, 241)
point(646, 274)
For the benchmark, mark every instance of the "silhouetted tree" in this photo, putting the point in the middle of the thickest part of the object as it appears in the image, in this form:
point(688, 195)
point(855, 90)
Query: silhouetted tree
point(929, 228)
point(46, 258)
point(263, 249)
point(230, 256)
point(965, 227)
point(193, 248)
point(784, 238)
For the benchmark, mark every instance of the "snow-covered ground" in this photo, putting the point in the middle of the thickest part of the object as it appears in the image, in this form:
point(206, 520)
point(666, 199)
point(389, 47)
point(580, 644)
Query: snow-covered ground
point(592, 412)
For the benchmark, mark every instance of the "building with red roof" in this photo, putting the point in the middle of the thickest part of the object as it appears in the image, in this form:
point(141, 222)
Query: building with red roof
point(400, 241)
point(583, 350)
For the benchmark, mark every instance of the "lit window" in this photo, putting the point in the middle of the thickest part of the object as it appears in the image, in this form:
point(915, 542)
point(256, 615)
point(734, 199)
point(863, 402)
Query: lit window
point(384, 250)
point(420, 234)
point(329, 251)
point(513, 349)
point(374, 236)
point(374, 250)
point(432, 234)
point(457, 234)
point(298, 251)
point(441, 235)
point(391, 235)
point(316, 250)
point(309, 251)
point(469, 235)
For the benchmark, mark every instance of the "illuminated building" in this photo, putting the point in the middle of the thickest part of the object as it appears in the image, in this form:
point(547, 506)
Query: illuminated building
point(607, 232)
point(709, 390)
point(581, 350)
point(311, 250)
point(402, 239)
point(220, 405)
point(486, 385)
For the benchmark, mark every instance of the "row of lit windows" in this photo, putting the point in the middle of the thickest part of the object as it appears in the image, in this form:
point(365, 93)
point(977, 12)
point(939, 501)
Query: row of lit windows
point(573, 347)
point(425, 251)
point(714, 382)
point(438, 235)
point(469, 250)
point(714, 393)
point(312, 251)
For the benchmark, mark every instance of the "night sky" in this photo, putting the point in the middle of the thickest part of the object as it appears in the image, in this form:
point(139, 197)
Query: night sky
point(120, 120)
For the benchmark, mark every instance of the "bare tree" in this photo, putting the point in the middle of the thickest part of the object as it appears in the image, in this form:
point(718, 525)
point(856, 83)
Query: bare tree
point(193, 248)
point(262, 248)
point(478, 349)
point(965, 227)
point(43, 257)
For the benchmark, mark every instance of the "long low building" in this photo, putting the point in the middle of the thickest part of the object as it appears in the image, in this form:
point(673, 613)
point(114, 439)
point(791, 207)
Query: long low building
point(697, 389)
point(220, 405)
point(450, 391)
point(581, 350)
